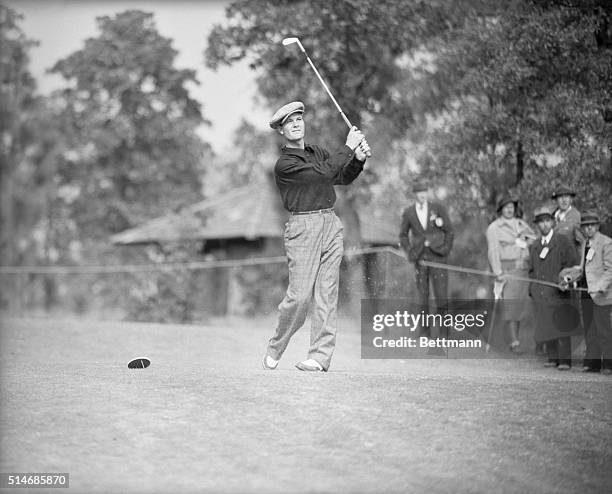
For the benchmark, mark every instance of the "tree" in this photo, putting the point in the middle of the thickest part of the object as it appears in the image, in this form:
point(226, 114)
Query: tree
point(526, 94)
point(17, 105)
point(133, 151)
point(31, 145)
point(252, 160)
point(25, 159)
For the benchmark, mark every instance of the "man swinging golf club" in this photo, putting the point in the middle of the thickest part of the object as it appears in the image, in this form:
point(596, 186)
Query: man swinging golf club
point(305, 175)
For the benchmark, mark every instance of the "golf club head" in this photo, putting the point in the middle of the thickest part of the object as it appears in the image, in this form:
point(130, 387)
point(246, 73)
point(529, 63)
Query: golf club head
point(289, 41)
point(139, 363)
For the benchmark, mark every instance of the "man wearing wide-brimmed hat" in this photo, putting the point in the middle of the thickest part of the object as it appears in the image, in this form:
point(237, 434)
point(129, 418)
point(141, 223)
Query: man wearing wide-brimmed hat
point(508, 241)
point(566, 216)
point(305, 176)
point(598, 281)
point(554, 307)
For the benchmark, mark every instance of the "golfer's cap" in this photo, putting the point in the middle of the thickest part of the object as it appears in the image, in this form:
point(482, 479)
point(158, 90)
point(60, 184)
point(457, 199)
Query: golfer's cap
point(562, 190)
point(542, 212)
point(420, 186)
point(589, 217)
point(284, 112)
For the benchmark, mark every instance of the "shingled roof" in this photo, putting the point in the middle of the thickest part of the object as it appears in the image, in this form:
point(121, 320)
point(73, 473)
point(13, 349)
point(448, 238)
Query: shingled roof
point(249, 212)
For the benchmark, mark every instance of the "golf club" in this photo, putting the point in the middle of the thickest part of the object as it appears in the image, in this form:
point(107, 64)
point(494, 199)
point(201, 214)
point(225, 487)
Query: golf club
point(290, 41)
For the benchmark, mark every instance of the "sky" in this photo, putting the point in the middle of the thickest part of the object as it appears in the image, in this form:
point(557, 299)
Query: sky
point(227, 95)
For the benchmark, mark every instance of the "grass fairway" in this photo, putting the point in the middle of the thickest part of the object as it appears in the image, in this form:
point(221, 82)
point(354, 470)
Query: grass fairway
point(204, 417)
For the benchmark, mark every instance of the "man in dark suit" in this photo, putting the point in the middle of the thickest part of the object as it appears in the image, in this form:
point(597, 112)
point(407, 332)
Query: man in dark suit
point(548, 256)
point(427, 234)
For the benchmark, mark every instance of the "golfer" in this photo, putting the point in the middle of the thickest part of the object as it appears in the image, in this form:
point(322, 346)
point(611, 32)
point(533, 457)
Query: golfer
point(305, 175)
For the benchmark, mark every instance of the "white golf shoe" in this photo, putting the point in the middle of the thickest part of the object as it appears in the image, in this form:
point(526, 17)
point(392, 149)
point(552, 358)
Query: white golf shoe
point(269, 363)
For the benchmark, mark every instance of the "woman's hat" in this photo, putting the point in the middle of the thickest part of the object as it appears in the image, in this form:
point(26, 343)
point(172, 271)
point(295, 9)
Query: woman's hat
point(506, 200)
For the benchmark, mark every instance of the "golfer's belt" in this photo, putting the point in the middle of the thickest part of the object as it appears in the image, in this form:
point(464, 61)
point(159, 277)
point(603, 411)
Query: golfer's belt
point(317, 211)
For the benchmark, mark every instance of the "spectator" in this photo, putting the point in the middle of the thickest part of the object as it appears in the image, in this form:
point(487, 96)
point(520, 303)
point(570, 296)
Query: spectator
point(548, 255)
point(426, 233)
point(566, 216)
point(508, 241)
point(598, 277)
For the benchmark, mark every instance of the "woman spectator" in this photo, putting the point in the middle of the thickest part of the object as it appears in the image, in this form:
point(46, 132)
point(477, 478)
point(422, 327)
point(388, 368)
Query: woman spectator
point(508, 241)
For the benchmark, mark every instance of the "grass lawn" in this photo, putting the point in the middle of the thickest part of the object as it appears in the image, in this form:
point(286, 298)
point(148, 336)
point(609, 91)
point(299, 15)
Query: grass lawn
point(204, 417)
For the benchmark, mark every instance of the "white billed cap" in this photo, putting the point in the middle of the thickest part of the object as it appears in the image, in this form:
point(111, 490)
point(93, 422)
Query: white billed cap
point(284, 112)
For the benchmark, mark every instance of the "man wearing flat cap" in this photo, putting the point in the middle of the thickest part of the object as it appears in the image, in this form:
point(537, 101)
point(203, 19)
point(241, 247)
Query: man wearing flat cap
point(597, 305)
point(426, 233)
point(548, 256)
point(305, 175)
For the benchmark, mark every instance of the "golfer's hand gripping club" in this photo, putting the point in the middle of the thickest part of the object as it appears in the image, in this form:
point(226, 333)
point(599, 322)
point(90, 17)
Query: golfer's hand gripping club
point(354, 138)
point(357, 142)
point(364, 147)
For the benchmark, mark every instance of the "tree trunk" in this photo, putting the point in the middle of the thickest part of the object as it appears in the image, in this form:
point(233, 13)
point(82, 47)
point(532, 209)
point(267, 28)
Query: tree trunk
point(520, 162)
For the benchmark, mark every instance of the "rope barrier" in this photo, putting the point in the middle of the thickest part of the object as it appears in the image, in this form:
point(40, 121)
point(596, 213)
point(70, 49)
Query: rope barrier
point(139, 268)
point(192, 265)
point(255, 261)
point(461, 269)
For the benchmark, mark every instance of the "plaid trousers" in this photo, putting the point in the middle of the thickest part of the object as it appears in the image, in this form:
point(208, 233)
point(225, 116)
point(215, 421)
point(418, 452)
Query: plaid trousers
point(314, 246)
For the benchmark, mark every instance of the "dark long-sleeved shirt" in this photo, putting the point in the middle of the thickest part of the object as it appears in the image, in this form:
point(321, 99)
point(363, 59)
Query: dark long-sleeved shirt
point(306, 177)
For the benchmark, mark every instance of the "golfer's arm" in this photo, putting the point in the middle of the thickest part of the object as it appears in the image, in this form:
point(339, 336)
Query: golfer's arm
point(342, 165)
point(294, 169)
point(349, 172)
